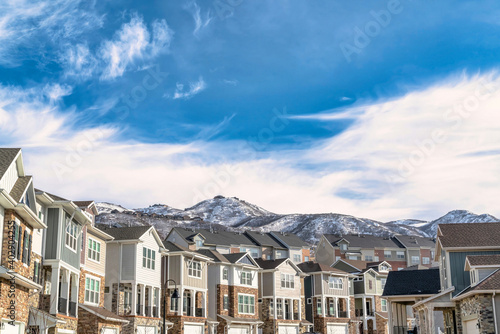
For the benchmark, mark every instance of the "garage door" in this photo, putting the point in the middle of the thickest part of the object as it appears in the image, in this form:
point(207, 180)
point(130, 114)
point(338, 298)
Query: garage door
point(109, 330)
point(194, 329)
point(17, 328)
point(239, 330)
point(146, 330)
point(282, 329)
point(336, 329)
point(471, 327)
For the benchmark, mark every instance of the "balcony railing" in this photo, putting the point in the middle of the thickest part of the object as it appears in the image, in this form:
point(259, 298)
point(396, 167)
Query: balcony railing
point(127, 309)
point(138, 309)
point(156, 314)
point(198, 312)
point(295, 316)
point(343, 314)
point(147, 311)
point(359, 313)
point(62, 305)
point(370, 313)
point(72, 309)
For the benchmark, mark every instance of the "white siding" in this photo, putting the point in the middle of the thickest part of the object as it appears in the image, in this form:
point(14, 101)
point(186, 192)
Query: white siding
point(146, 275)
point(9, 178)
point(236, 273)
point(284, 292)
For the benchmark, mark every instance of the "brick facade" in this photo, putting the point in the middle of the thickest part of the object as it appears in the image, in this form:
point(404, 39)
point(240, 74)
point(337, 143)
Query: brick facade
point(90, 323)
point(321, 321)
point(131, 327)
point(81, 288)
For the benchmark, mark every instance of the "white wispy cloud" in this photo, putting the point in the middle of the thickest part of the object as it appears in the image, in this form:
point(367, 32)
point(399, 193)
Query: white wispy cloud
point(415, 156)
point(194, 88)
point(131, 43)
point(78, 61)
point(200, 21)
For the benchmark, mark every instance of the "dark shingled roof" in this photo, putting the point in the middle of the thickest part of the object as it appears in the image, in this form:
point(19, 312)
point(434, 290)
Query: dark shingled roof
point(264, 239)
point(363, 241)
point(20, 187)
point(289, 239)
point(125, 233)
point(224, 238)
point(484, 260)
point(213, 254)
point(269, 264)
point(171, 247)
point(470, 235)
point(83, 204)
point(54, 197)
point(410, 241)
point(7, 155)
point(492, 282)
point(310, 267)
point(104, 313)
point(412, 282)
point(234, 257)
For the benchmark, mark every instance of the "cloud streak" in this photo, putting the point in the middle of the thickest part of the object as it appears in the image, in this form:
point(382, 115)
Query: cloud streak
point(195, 88)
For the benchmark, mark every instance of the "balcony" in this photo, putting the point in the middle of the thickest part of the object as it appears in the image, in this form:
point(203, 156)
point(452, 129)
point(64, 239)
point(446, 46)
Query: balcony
point(72, 309)
point(156, 313)
point(198, 312)
point(296, 316)
point(343, 314)
point(370, 313)
point(147, 311)
point(127, 309)
point(359, 313)
point(138, 309)
point(62, 305)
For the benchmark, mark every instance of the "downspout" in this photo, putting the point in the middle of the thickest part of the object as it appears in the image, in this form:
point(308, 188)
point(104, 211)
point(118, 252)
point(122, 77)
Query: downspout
point(494, 311)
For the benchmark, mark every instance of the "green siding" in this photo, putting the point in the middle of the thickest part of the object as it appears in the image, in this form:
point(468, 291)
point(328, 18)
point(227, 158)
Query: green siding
point(51, 233)
point(460, 278)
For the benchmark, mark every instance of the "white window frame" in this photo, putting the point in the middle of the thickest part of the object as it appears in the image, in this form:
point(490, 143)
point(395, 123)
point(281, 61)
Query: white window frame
point(383, 305)
point(413, 258)
point(149, 258)
point(287, 279)
point(368, 258)
point(250, 305)
point(426, 260)
point(95, 253)
point(297, 258)
point(245, 278)
point(400, 255)
point(225, 302)
point(387, 252)
point(225, 273)
point(71, 236)
point(336, 283)
point(97, 280)
point(343, 247)
point(194, 269)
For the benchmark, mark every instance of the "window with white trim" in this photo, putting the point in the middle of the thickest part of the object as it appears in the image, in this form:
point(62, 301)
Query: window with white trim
point(368, 258)
point(336, 283)
point(148, 258)
point(383, 305)
point(400, 255)
point(246, 278)
point(383, 281)
point(318, 306)
point(225, 274)
point(287, 281)
point(415, 259)
point(246, 304)
point(297, 258)
point(225, 302)
point(94, 250)
point(92, 290)
point(71, 236)
point(343, 247)
point(387, 254)
point(426, 260)
point(194, 269)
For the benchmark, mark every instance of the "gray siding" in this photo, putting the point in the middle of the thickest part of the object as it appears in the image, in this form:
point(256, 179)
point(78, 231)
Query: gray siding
point(460, 278)
point(51, 233)
point(67, 255)
point(128, 262)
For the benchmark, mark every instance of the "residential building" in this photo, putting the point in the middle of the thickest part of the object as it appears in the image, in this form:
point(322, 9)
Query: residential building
point(399, 251)
point(270, 248)
point(405, 288)
point(133, 277)
point(187, 271)
point(298, 250)
point(62, 245)
point(21, 239)
point(369, 282)
point(92, 316)
point(233, 287)
point(281, 292)
point(466, 300)
point(329, 298)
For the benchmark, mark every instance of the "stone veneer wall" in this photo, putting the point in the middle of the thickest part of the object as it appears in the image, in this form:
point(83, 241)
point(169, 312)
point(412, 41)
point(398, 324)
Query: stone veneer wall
point(81, 288)
point(179, 321)
point(321, 321)
point(71, 324)
point(21, 308)
point(480, 306)
point(131, 327)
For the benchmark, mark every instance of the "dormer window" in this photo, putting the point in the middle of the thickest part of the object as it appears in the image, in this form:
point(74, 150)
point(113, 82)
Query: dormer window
point(199, 243)
point(343, 247)
point(473, 277)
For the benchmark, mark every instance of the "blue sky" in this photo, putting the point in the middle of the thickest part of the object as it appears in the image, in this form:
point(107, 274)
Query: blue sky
point(306, 102)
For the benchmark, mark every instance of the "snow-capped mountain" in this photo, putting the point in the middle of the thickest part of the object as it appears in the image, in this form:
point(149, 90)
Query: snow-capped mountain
point(234, 214)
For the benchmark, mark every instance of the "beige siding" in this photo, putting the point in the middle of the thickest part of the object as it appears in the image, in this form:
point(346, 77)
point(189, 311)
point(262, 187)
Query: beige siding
point(370, 288)
point(336, 292)
point(128, 261)
point(284, 292)
point(194, 281)
point(325, 253)
point(174, 268)
point(318, 282)
point(267, 284)
point(147, 275)
point(91, 265)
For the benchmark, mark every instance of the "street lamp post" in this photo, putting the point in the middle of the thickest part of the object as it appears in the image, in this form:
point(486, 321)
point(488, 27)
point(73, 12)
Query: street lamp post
point(175, 295)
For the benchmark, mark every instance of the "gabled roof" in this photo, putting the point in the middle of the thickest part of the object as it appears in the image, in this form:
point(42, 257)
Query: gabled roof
point(412, 282)
point(7, 156)
point(483, 260)
point(363, 241)
point(54, 197)
point(264, 239)
point(410, 241)
point(311, 267)
point(83, 204)
point(19, 188)
point(103, 313)
point(270, 264)
point(214, 255)
point(125, 233)
point(489, 284)
point(357, 265)
point(224, 238)
point(469, 235)
point(290, 240)
point(171, 247)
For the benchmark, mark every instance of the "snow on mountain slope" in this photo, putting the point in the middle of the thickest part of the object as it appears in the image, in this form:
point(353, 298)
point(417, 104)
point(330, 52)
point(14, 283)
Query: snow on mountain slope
point(234, 214)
